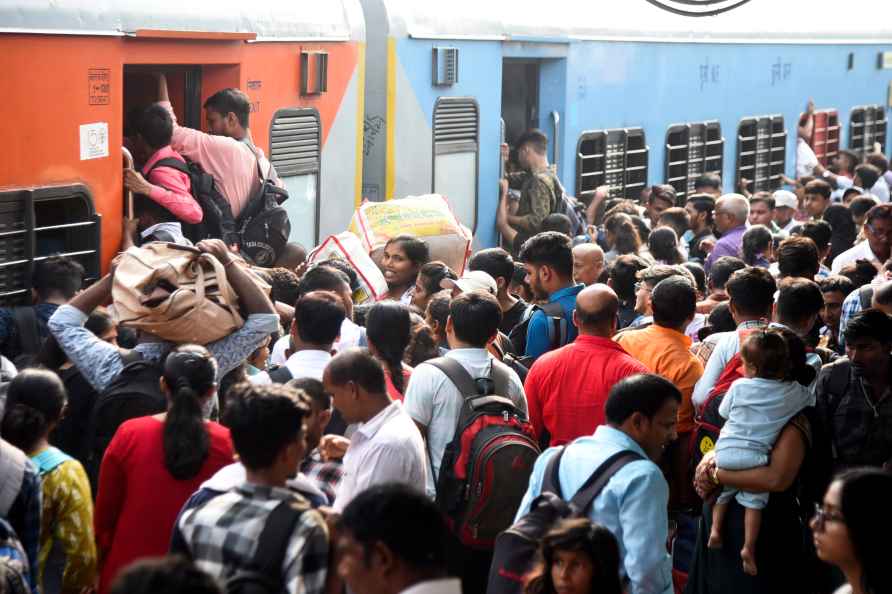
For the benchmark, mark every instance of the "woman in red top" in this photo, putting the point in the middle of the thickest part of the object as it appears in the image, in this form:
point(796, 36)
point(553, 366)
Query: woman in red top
point(153, 464)
point(388, 329)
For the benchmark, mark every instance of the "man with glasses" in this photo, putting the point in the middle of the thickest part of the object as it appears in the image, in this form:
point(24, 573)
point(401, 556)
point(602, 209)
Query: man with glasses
point(877, 229)
point(731, 213)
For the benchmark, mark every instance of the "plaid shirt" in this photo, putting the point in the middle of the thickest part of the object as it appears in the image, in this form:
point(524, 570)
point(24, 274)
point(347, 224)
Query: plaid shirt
point(325, 475)
point(850, 307)
point(222, 535)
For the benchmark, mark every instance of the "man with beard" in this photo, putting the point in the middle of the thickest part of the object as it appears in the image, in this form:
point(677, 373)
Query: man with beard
point(548, 259)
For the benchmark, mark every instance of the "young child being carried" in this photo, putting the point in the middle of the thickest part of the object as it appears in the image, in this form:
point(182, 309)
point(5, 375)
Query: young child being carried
point(757, 407)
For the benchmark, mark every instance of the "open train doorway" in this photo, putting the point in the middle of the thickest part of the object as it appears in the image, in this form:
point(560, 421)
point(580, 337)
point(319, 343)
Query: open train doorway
point(520, 97)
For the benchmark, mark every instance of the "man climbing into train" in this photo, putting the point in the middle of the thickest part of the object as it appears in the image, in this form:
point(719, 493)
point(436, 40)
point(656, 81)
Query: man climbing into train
point(539, 189)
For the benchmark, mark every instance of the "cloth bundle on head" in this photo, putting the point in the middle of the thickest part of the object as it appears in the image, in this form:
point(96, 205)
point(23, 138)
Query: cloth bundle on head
point(346, 246)
point(175, 293)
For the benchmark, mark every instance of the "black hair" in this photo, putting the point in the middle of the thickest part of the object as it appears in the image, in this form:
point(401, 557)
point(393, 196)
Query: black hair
point(818, 231)
point(314, 389)
point(756, 241)
point(625, 233)
point(99, 322)
point(658, 272)
point(343, 266)
point(432, 274)
point(583, 535)
point(228, 101)
point(357, 365)
point(415, 248)
point(699, 274)
point(868, 174)
point(389, 327)
point(663, 245)
point(285, 285)
point(674, 301)
point(641, 227)
point(751, 290)
point(57, 274)
point(663, 192)
point(719, 320)
point(34, 401)
point(882, 295)
point(837, 283)
point(551, 249)
point(722, 269)
point(438, 308)
point(872, 324)
point(864, 495)
point(495, 262)
point(422, 344)
point(708, 180)
point(851, 156)
point(167, 575)
point(404, 520)
point(878, 160)
point(519, 275)
point(798, 299)
point(537, 140)
point(558, 222)
point(155, 126)
point(675, 217)
point(323, 278)
point(143, 205)
point(861, 205)
point(361, 312)
point(318, 316)
point(766, 198)
point(644, 393)
point(263, 420)
point(766, 351)
point(475, 317)
point(703, 203)
point(623, 275)
point(190, 371)
point(880, 211)
point(798, 256)
point(861, 272)
point(842, 226)
point(820, 187)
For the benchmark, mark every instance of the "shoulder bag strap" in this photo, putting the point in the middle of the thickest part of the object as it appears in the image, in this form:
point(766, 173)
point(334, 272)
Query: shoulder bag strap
point(551, 482)
point(501, 377)
point(28, 331)
point(456, 374)
point(557, 327)
point(592, 487)
point(273, 542)
point(180, 166)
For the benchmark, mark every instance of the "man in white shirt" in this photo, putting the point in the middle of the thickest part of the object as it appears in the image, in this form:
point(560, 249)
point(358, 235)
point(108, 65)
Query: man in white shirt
point(876, 248)
point(318, 316)
point(386, 446)
point(393, 541)
point(432, 401)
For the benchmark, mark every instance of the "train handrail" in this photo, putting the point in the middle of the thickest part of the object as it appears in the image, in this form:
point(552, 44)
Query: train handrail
point(128, 195)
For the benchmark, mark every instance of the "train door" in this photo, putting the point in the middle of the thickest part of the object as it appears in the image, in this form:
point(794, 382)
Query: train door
point(520, 97)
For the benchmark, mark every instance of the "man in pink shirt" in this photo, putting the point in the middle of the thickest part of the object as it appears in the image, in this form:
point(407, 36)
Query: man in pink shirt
point(167, 186)
point(231, 163)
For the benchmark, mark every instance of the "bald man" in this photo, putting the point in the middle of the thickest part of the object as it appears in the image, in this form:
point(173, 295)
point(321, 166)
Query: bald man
point(731, 213)
point(567, 388)
point(588, 263)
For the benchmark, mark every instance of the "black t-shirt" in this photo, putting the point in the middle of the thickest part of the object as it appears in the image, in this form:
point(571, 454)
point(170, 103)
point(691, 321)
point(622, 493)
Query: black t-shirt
point(513, 316)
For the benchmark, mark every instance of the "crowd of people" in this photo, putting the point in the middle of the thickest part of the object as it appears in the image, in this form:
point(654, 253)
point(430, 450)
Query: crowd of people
point(714, 374)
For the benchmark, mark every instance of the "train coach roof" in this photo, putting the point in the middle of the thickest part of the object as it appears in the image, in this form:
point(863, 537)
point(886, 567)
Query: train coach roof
point(268, 20)
point(744, 21)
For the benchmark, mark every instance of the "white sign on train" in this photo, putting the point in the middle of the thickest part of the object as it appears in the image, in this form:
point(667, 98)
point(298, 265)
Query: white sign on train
point(94, 140)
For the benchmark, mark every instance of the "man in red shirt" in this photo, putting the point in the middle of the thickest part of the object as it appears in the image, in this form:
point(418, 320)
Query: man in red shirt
point(567, 388)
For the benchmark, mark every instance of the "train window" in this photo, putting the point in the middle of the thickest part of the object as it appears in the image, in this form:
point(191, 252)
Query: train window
point(824, 139)
point(761, 152)
point(616, 158)
point(295, 141)
point(692, 150)
point(455, 153)
point(313, 73)
point(867, 125)
point(38, 223)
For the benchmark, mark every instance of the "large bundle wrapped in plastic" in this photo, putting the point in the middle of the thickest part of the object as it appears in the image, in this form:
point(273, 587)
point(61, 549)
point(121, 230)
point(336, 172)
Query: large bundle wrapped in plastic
point(427, 217)
point(347, 246)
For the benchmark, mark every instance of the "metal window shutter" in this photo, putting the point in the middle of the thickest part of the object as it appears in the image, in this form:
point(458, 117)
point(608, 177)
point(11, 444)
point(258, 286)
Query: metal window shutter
point(295, 141)
point(456, 123)
point(617, 158)
point(761, 151)
point(692, 150)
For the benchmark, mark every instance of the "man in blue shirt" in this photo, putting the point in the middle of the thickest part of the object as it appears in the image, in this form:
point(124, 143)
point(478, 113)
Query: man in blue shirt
point(548, 259)
point(641, 412)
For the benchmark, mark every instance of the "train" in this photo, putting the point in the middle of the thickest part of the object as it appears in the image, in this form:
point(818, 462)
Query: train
point(378, 99)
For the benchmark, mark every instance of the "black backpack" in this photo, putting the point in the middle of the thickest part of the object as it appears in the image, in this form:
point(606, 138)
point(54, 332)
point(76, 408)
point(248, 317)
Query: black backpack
point(263, 573)
point(135, 392)
point(28, 335)
point(486, 467)
point(516, 547)
point(263, 225)
point(558, 331)
point(217, 221)
point(569, 206)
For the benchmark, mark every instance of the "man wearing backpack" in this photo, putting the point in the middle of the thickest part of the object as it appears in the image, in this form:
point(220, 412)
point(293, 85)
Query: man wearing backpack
point(548, 259)
point(261, 536)
point(539, 193)
point(20, 502)
point(641, 416)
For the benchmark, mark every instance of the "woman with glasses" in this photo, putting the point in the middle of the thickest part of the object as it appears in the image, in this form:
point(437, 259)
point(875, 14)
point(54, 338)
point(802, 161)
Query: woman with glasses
point(851, 529)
